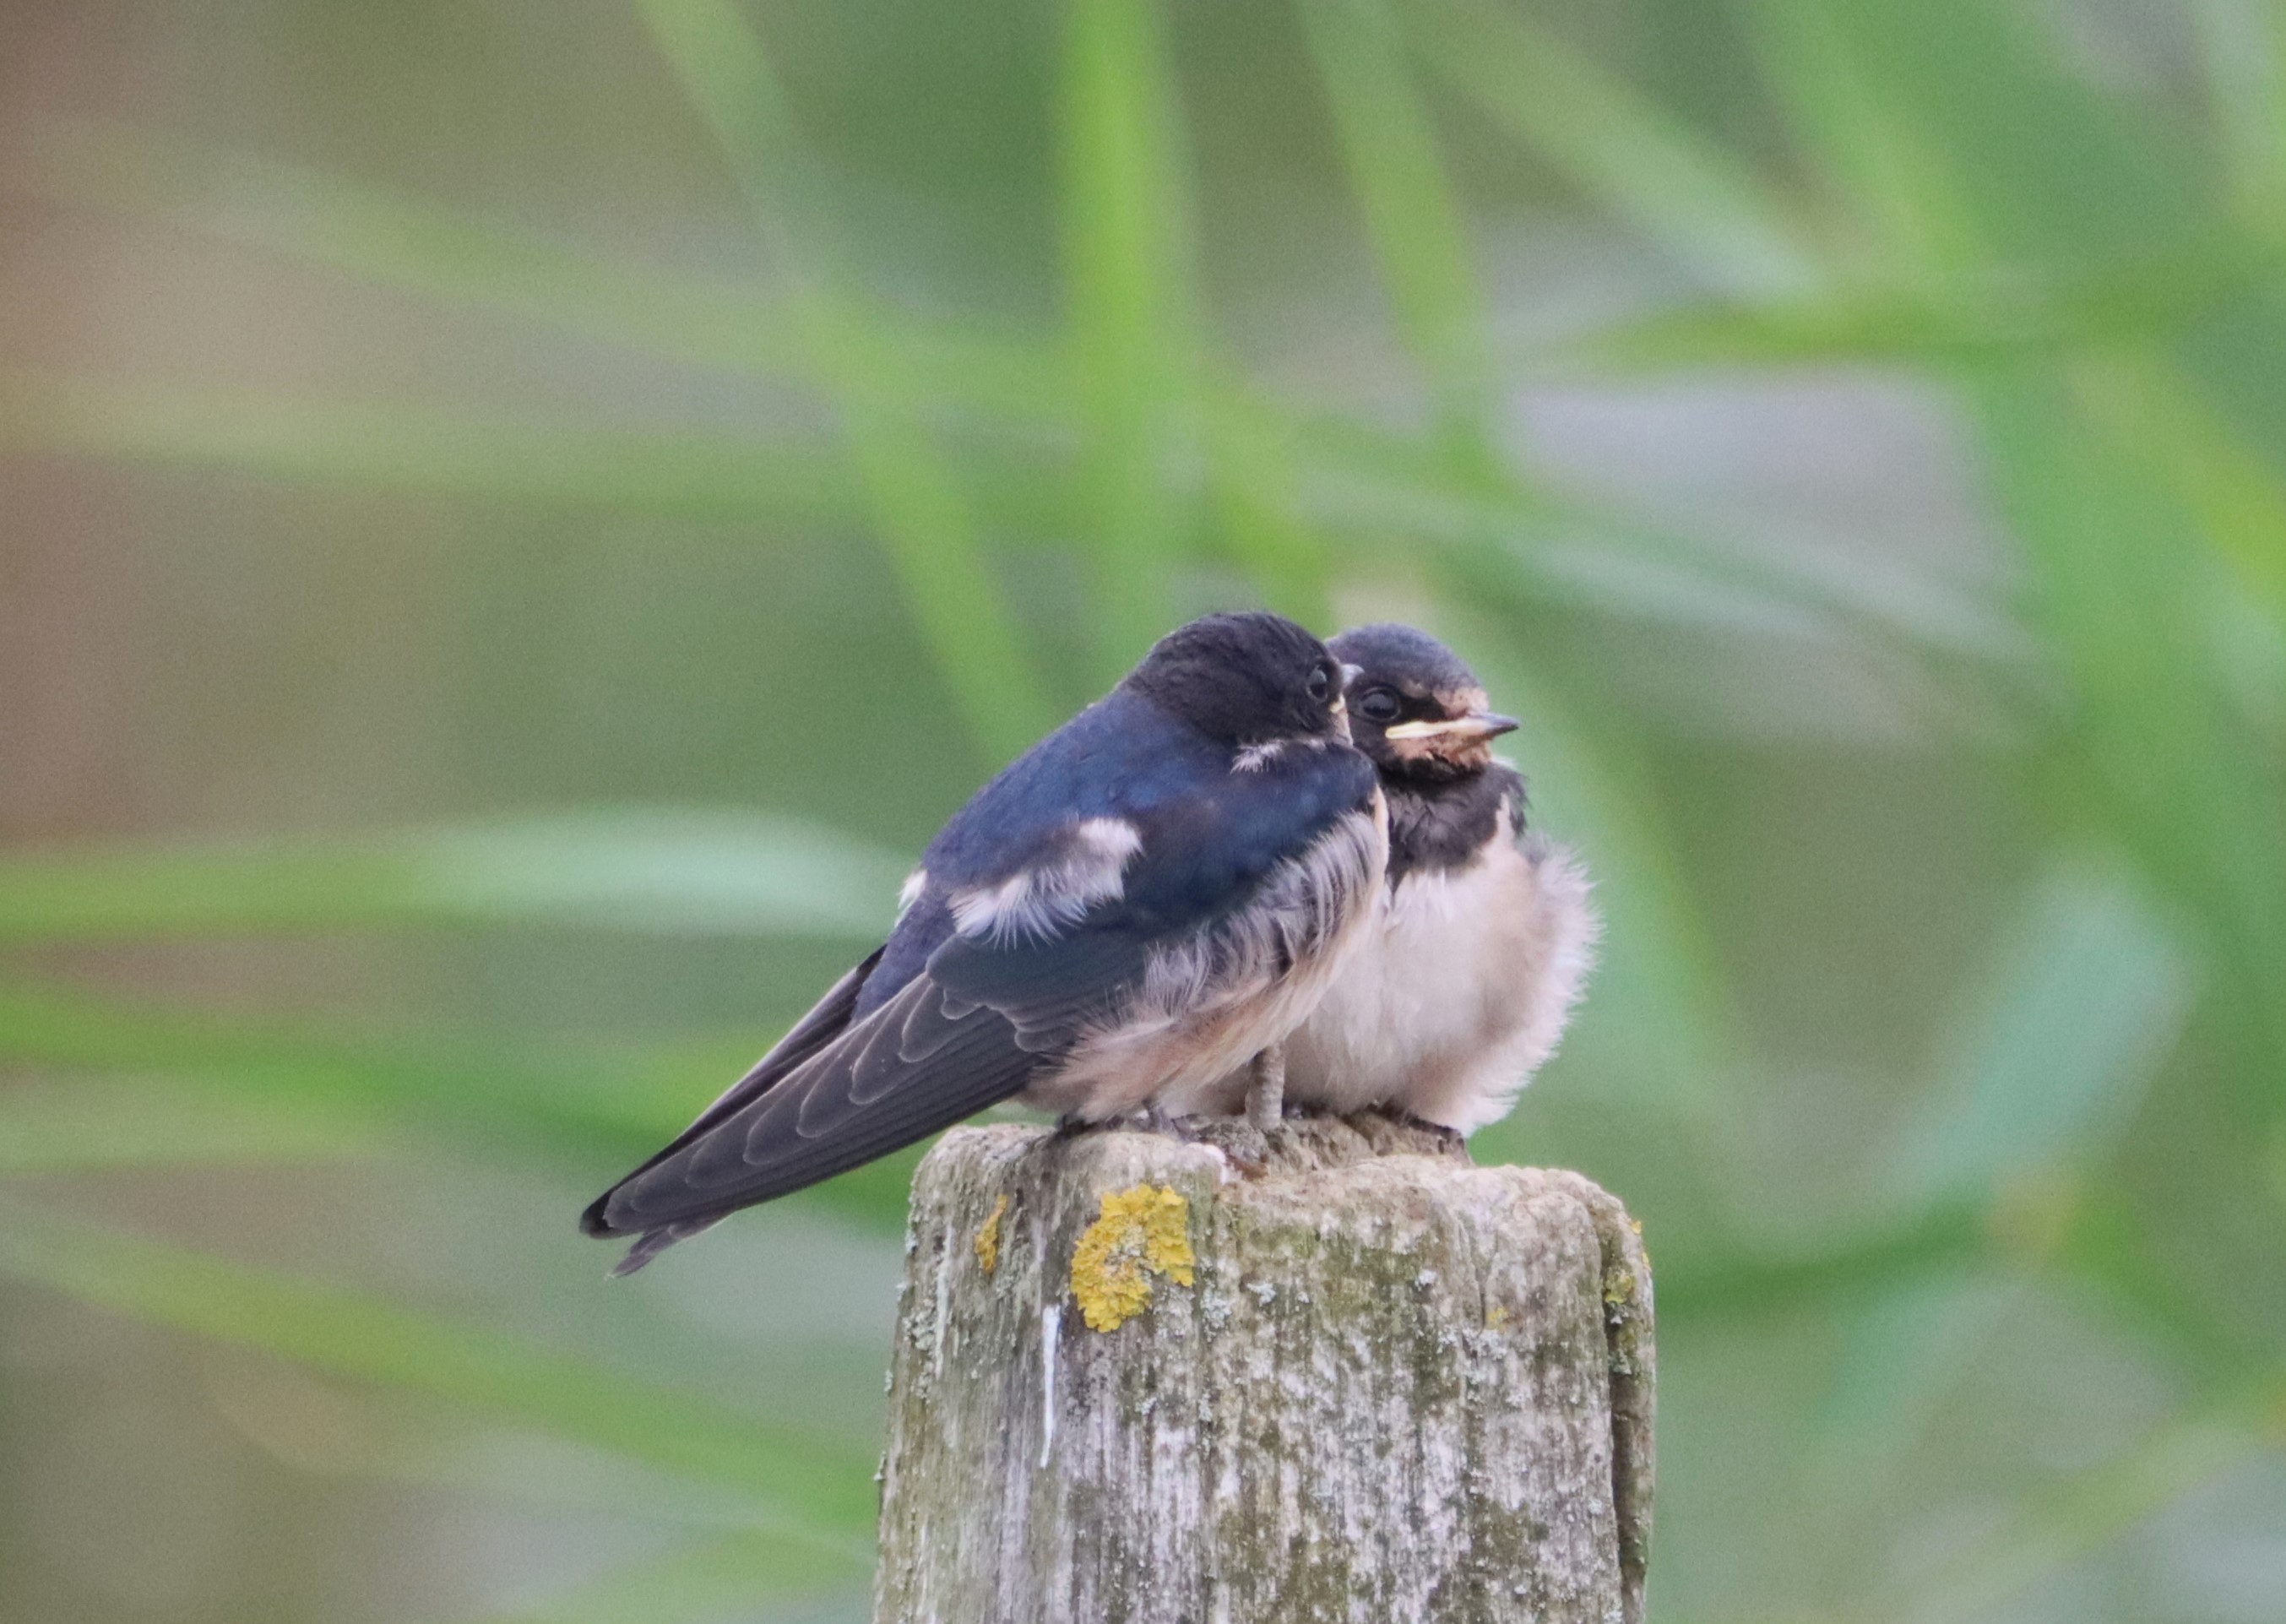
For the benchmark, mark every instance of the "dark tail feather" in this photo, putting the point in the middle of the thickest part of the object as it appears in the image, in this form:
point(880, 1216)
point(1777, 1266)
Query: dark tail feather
point(651, 1242)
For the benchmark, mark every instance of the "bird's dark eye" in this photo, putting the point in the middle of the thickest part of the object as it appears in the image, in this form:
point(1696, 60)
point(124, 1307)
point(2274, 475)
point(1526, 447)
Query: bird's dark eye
point(1320, 685)
point(1378, 705)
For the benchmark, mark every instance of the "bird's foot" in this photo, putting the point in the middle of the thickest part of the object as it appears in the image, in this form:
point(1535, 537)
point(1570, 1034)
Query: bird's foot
point(1152, 1119)
point(1243, 1145)
point(1144, 1119)
point(1448, 1142)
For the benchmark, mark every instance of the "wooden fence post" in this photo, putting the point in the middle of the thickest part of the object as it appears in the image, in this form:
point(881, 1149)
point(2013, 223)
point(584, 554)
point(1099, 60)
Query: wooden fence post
point(1375, 1383)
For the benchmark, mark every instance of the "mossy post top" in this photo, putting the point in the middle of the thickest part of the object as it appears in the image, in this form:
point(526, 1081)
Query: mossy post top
point(1371, 1381)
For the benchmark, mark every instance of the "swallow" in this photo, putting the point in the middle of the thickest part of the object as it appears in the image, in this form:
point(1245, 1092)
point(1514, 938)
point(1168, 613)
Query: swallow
point(1136, 907)
point(1471, 968)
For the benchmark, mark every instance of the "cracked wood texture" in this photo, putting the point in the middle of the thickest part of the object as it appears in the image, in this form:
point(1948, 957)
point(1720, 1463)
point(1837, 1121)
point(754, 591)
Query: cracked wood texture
point(1374, 1383)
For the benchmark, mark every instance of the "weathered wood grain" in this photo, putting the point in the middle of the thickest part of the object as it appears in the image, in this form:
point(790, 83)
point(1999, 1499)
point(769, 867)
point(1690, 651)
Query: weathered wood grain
point(1375, 1383)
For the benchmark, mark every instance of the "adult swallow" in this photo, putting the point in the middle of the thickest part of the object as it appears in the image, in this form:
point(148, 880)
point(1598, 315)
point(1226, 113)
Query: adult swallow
point(1468, 973)
point(1142, 903)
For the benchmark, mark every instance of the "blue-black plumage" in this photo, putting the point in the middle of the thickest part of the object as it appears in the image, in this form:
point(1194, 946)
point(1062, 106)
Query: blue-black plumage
point(1123, 919)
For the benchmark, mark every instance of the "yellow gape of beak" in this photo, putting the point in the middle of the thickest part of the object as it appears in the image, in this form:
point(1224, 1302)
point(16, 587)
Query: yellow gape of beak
point(1473, 729)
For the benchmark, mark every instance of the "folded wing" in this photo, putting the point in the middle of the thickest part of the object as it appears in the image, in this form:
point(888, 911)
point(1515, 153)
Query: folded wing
point(972, 1030)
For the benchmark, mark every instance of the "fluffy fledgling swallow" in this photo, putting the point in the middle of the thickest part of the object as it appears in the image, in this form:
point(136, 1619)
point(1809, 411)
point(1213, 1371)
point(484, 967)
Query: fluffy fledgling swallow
point(1469, 974)
point(1139, 905)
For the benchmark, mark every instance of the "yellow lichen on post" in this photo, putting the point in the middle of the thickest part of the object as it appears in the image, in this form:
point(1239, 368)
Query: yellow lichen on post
point(1619, 1286)
point(988, 1237)
point(1138, 1234)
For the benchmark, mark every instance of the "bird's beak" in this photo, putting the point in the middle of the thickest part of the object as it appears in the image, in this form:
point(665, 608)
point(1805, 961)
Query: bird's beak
point(1473, 729)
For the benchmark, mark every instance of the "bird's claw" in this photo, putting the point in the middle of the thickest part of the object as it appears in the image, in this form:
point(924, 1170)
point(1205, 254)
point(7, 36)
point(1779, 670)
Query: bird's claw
point(1450, 1141)
point(1184, 1130)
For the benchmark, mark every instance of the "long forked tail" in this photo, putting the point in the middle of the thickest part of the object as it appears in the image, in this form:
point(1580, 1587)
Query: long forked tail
point(651, 1242)
point(918, 1063)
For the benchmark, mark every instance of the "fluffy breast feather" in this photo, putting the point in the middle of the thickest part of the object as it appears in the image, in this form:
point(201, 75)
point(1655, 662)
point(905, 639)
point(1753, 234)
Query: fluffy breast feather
point(1464, 990)
point(1212, 1000)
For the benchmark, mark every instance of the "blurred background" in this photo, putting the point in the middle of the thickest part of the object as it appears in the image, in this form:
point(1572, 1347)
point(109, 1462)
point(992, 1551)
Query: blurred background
point(519, 517)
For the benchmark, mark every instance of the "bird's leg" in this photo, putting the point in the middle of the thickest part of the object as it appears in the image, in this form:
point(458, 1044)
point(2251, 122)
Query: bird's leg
point(1266, 1090)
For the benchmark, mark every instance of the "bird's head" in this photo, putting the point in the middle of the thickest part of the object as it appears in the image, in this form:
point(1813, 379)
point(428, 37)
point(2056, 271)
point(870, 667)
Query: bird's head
point(1249, 679)
point(1414, 707)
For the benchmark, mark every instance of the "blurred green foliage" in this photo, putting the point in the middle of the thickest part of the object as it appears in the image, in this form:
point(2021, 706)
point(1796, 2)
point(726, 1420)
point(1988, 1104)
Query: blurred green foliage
point(443, 444)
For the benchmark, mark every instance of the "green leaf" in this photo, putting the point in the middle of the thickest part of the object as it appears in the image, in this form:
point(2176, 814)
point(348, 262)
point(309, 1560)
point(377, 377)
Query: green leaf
point(98, 1124)
point(1256, 453)
point(820, 1489)
point(2004, 154)
point(1712, 1280)
point(528, 1103)
point(2244, 51)
point(524, 1103)
point(421, 247)
point(2029, 157)
point(2156, 738)
point(1876, 158)
point(1265, 462)
point(1904, 1346)
point(1940, 322)
point(2128, 1258)
point(1350, 483)
point(2150, 411)
point(1515, 537)
point(327, 1429)
point(2069, 1028)
point(419, 448)
point(2078, 1514)
point(719, 1577)
point(1412, 214)
point(1669, 181)
point(918, 506)
point(666, 871)
point(1133, 334)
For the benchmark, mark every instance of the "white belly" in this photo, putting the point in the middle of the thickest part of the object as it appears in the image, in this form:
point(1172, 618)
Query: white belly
point(1209, 1006)
point(1449, 1006)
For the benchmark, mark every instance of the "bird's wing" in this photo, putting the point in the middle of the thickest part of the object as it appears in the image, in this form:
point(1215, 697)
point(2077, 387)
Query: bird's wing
point(826, 1021)
point(939, 1051)
point(980, 1022)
